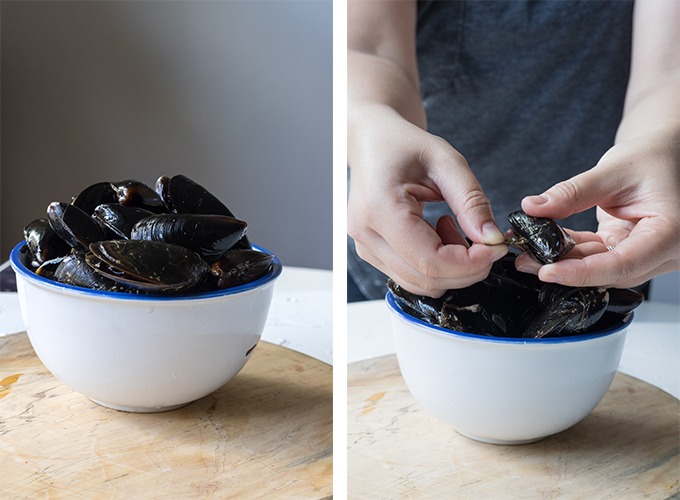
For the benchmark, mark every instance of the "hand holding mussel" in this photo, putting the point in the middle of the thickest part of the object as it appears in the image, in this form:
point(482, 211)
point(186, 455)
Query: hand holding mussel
point(512, 304)
point(128, 237)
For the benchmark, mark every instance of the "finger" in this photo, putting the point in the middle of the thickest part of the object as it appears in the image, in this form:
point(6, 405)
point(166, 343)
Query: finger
point(587, 248)
point(474, 265)
point(612, 233)
point(583, 236)
point(571, 196)
point(449, 232)
point(424, 251)
point(524, 263)
point(464, 195)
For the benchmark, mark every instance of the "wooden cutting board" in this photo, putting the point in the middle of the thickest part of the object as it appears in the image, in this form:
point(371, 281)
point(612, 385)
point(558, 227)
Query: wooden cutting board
point(265, 434)
point(628, 448)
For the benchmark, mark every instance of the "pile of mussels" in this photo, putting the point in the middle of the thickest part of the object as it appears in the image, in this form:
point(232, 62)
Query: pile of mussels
point(509, 303)
point(128, 237)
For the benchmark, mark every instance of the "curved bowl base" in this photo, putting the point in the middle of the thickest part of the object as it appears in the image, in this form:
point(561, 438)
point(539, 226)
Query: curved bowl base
point(500, 441)
point(140, 409)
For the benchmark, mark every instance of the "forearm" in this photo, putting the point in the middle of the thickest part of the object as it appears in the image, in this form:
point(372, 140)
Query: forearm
point(378, 89)
point(657, 108)
point(382, 68)
point(653, 95)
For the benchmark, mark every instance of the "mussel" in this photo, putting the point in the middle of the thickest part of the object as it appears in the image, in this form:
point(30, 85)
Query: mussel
point(147, 265)
point(43, 242)
point(134, 193)
point(239, 266)
point(567, 310)
point(208, 235)
point(119, 219)
point(73, 225)
point(94, 195)
point(185, 196)
point(73, 270)
point(542, 238)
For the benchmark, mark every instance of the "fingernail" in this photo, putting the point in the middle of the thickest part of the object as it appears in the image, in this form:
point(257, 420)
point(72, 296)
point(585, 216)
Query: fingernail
point(527, 269)
point(491, 234)
point(540, 199)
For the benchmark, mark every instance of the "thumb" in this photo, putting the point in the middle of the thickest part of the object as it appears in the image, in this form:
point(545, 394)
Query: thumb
point(571, 196)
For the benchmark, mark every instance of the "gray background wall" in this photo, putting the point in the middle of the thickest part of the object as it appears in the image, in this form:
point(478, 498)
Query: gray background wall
point(236, 95)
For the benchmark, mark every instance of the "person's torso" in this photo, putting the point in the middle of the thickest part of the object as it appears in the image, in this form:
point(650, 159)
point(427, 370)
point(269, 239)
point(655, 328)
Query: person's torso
point(531, 92)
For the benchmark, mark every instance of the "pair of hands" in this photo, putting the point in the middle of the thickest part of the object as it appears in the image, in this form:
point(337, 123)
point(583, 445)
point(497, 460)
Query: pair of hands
point(635, 187)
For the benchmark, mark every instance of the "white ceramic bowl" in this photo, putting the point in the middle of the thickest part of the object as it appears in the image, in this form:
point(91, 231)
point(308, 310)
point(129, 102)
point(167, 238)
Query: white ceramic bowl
point(140, 353)
point(505, 391)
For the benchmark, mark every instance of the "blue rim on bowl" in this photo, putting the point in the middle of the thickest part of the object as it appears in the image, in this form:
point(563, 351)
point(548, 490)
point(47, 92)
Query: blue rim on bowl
point(20, 268)
point(609, 330)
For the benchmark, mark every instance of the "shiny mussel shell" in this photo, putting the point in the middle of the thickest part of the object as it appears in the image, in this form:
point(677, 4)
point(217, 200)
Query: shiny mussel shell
point(183, 195)
point(238, 267)
point(567, 310)
point(210, 236)
point(73, 270)
point(73, 225)
point(119, 219)
point(542, 238)
point(94, 195)
point(134, 193)
point(43, 242)
point(150, 266)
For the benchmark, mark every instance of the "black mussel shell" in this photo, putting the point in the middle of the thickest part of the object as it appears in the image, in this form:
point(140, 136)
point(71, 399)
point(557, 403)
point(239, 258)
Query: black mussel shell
point(567, 310)
point(624, 300)
point(120, 219)
point(73, 225)
point(162, 189)
point(419, 306)
point(505, 269)
point(208, 235)
point(473, 318)
point(238, 267)
point(134, 193)
point(43, 242)
point(184, 195)
point(151, 266)
point(95, 195)
point(48, 268)
point(543, 238)
point(73, 270)
point(187, 196)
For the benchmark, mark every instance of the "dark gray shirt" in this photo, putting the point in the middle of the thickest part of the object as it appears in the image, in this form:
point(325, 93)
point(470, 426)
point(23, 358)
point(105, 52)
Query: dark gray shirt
point(531, 92)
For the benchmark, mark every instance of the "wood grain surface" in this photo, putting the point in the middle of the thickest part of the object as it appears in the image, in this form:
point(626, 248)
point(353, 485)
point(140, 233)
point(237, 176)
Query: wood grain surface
point(265, 434)
point(628, 448)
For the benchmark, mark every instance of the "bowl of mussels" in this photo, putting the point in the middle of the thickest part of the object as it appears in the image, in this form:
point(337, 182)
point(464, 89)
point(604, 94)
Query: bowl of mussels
point(143, 299)
point(510, 359)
